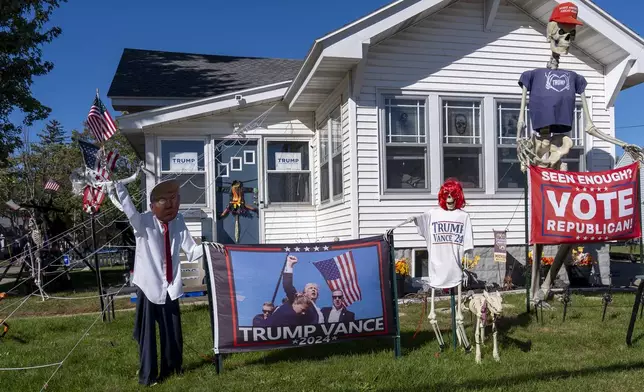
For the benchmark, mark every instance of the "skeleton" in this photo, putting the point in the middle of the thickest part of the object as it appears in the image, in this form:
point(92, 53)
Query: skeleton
point(482, 305)
point(451, 193)
point(545, 149)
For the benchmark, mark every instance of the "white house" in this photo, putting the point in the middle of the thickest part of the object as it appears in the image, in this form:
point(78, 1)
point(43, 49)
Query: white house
point(362, 133)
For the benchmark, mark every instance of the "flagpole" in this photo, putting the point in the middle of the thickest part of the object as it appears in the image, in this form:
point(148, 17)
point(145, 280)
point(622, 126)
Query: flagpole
point(98, 267)
point(279, 280)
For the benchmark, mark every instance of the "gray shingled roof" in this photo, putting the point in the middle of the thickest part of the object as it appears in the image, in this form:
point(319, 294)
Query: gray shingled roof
point(149, 73)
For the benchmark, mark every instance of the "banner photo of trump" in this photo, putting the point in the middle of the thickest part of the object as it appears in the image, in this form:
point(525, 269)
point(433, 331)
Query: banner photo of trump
point(297, 295)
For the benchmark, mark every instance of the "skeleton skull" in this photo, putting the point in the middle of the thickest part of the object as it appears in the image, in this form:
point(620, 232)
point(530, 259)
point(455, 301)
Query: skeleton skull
point(560, 36)
point(450, 202)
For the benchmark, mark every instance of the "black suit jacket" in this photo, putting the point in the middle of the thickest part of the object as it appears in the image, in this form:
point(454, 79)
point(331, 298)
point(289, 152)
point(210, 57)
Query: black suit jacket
point(345, 315)
point(287, 283)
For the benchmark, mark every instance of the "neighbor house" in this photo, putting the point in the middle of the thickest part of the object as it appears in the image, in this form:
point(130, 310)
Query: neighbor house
point(361, 134)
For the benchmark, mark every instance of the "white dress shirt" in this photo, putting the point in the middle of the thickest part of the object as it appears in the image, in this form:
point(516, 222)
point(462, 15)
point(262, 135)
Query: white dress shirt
point(334, 315)
point(149, 259)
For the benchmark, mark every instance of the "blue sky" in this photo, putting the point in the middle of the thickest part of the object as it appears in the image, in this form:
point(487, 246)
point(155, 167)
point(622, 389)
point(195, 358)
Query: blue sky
point(257, 274)
point(94, 34)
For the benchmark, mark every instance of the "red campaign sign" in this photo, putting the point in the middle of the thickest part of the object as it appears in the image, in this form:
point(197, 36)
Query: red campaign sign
point(575, 207)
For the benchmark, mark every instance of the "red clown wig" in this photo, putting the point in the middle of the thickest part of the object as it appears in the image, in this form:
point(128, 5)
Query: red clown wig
point(453, 187)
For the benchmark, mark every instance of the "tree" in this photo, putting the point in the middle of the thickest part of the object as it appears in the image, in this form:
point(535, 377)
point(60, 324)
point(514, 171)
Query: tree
point(22, 33)
point(52, 134)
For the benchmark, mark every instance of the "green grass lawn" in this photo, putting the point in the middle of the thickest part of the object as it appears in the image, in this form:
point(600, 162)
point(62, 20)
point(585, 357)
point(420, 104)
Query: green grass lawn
point(582, 354)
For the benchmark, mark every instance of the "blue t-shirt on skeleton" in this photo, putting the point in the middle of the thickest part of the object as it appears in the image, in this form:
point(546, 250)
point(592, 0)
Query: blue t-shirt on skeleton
point(552, 97)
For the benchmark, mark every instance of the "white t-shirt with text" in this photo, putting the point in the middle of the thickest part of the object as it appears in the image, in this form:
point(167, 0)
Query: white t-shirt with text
point(449, 236)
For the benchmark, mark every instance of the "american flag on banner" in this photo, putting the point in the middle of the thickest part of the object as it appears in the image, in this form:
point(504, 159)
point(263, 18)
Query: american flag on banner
point(52, 185)
point(100, 122)
point(95, 160)
point(340, 274)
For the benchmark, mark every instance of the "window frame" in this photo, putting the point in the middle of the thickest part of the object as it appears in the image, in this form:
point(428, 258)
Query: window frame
point(469, 98)
point(330, 156)
point(266, 171)
point(581, 137)
point(383, 144)
point(205, 172)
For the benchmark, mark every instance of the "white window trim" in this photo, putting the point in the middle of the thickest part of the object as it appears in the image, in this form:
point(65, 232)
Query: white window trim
point(338, 198)
point(265, 170)
point(205, 172)
point(583, 136)
point(433, 123)
point(382, 142)
point(442, 98)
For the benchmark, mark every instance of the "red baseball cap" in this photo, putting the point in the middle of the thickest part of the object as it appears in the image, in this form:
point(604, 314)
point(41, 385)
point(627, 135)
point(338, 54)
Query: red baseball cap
point(565, 13)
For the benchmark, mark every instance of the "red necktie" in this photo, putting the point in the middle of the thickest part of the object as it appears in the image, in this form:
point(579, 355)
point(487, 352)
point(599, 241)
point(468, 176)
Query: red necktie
point(168, 253)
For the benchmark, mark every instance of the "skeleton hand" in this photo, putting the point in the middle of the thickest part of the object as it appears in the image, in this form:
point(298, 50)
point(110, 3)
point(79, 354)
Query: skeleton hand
point(526, 154)
point(635, 152)
point(219, 247)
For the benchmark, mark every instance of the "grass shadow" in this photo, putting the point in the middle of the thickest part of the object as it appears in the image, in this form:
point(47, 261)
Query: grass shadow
point(513, 381)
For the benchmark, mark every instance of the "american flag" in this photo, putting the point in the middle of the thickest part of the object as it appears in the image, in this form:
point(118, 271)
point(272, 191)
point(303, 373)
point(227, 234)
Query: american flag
point(340, 274)
point(93, 157)
point(100, 122)
point(52, 185)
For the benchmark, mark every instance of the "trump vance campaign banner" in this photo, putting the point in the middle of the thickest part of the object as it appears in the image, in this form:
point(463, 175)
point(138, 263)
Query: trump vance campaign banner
point(573, 207)
point(297, 295)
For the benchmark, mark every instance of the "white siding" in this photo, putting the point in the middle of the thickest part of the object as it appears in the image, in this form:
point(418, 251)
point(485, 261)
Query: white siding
point(277, 121)
point(281, 223)
point(334, 220)
point(449, 53)
point(289, 225)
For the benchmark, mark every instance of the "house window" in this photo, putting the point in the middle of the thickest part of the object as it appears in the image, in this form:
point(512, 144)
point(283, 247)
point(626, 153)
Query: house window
point(325, 182)
point(405, 144)
point(335, 124)
point(183, 160)
point(509, 174)
point(462, 142)
point(331, 158)
point(287, 172)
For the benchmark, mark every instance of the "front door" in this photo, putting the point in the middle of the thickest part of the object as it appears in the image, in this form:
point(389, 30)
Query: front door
point(237, 212)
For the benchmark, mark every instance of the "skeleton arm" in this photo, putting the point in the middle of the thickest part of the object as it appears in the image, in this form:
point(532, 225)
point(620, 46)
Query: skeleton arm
point(521, 121)
point(635, 151)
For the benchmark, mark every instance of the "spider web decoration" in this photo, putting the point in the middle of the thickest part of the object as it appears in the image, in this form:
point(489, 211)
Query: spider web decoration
point(237, 205)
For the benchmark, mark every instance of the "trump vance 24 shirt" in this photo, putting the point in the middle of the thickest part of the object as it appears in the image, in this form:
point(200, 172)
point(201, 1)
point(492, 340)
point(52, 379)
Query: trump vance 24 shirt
point(449, 236)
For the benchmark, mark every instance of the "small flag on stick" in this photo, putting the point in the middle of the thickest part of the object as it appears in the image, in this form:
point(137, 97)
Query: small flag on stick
point(52, 185)
point(100, 122)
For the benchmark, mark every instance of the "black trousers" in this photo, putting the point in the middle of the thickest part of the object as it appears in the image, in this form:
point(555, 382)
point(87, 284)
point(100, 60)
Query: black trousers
point(168, 317)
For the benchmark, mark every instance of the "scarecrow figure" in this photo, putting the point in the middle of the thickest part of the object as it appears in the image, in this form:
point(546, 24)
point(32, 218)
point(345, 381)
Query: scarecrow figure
point(237, 205)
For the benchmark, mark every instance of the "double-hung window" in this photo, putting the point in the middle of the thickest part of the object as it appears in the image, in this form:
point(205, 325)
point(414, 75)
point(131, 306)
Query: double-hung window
point(509, 174)
point(183, 160)
point(330, 135)
point(463, 142)
point(287, 172)
point(405, 144)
